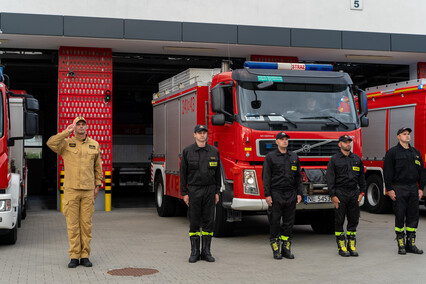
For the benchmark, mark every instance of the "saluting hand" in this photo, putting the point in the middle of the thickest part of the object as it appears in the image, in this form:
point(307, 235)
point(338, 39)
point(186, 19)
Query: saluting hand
point(70, 128)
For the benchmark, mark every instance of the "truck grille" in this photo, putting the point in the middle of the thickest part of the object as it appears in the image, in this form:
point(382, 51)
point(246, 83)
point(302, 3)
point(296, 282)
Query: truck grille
point(303, 147)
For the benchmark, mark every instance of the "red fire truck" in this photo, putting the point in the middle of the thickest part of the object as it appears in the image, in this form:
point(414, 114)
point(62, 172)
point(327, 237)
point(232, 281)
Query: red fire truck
point(18, 121)
point(244, 110)
point(390, 107)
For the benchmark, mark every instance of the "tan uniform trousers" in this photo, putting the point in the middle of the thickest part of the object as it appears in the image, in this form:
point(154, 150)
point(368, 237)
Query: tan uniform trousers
point(79, 206)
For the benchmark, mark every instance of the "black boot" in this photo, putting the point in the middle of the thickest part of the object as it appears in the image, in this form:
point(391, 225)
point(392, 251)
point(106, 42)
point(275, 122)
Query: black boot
point(205, 252)
point(195, 248)
point(85, 262)
point(401, 244)
point(411, 244)
point(351, 245)
point(275, 245)
point(73, 263)
point(341, 245)
point(286, 249)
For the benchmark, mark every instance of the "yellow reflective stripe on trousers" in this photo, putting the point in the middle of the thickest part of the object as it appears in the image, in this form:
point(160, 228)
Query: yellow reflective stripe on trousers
point(284, 238)
point(350, 233)
point(339, 233)
point(399, 230)
point(409, 229)
point(193, 234)
point(207, 233)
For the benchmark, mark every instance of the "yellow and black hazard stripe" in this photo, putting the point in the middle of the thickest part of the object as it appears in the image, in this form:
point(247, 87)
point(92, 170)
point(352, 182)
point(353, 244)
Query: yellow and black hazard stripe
point(108, 190)
point(61, 190)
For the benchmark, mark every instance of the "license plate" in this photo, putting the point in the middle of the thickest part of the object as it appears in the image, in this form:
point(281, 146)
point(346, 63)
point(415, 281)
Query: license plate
point(317, 199)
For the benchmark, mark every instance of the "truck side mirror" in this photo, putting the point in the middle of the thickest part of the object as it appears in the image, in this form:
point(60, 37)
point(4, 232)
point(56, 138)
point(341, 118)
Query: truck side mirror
point(31, 104)
point(218, 99)
point(364, 121)
point(362, 103)
point(218, 119)
point(31, 124)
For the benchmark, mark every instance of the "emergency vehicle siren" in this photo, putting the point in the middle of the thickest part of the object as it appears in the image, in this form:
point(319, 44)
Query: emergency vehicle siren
point(287, 66)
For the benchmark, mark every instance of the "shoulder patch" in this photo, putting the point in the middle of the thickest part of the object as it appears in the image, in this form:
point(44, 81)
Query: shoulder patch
point(72, 144)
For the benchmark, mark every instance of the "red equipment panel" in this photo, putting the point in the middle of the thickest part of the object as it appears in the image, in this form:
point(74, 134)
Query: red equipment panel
point(84, 80)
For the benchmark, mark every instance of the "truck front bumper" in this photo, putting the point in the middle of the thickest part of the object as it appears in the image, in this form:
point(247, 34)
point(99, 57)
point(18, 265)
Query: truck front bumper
point(8, 219)
point(261, 205)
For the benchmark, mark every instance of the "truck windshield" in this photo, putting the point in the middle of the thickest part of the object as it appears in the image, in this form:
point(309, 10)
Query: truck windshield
point(297, 103)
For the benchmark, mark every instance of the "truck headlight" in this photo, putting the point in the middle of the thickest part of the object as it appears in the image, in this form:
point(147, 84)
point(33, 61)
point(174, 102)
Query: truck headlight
point(5, 205)
point(250, 182)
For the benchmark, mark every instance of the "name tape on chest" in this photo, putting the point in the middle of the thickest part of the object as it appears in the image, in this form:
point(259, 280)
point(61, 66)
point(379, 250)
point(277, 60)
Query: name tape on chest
point(213, 164)
point(92, 147)
point(357, 169)
point(72, 144)
point(417, 162)
point(294, 168)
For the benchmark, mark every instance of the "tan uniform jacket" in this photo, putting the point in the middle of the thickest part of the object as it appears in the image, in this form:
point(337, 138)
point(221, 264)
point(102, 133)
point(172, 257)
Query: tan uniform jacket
point(82, 160)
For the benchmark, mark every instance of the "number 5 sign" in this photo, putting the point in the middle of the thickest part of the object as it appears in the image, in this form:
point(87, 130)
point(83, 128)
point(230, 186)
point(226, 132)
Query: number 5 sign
point(356, 4)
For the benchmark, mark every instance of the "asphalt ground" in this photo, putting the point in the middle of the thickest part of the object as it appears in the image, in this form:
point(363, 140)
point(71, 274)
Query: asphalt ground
point(139, 238)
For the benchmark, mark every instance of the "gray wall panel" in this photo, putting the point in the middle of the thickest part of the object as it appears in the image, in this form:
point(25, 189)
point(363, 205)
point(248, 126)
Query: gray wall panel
point(410, 43)
point(367, 41)
point(152, 30)
point(316, 38)
point(197, 32)
point(31, 24)
point(93, 27)
point(263, 35)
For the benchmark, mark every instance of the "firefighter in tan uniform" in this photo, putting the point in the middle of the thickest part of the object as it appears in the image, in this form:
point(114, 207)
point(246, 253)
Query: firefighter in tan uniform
point(83, 177)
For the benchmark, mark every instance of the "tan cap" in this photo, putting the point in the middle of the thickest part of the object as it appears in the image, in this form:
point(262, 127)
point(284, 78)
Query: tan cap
point(80, 118)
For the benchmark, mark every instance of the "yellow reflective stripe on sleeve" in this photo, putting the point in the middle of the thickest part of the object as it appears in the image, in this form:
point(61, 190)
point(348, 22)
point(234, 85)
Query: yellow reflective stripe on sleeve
point(193, 234)
point(399, 230)
point(207, 233)
point(409, 229)
point(356, 169)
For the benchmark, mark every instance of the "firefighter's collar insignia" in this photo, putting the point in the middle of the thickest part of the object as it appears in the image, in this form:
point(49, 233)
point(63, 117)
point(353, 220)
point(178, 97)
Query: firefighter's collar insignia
point(72, 144)
point(92, 146)
point(212, 158)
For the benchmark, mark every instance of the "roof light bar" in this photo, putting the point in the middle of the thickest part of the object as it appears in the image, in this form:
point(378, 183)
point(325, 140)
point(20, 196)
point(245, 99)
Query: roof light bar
point(287, 66)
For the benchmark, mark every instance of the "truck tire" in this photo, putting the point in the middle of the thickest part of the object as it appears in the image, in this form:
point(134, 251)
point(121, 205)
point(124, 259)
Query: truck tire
point(11, 237)
point(375, 200)
point(166, 205)
point(19, 215)
point(323, 222)
point(222, 228)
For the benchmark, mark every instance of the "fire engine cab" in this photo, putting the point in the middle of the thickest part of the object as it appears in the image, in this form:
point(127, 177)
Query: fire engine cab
point(244, 109)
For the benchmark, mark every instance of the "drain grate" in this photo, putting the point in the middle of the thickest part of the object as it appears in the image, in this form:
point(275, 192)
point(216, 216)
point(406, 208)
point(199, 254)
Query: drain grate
point(129, 271)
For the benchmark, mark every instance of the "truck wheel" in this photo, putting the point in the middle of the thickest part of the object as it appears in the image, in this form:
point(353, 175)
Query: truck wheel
point(166, 205)
point(323, 222)
point(11, 237)
point(375, 200)
point(19, 215)
point(222, 228)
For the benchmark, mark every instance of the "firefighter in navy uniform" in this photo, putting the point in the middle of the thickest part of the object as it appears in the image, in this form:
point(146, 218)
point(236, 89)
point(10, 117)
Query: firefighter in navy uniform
point(346, 186)
point(282, 185)
point(200, 182)
point(405, 180)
